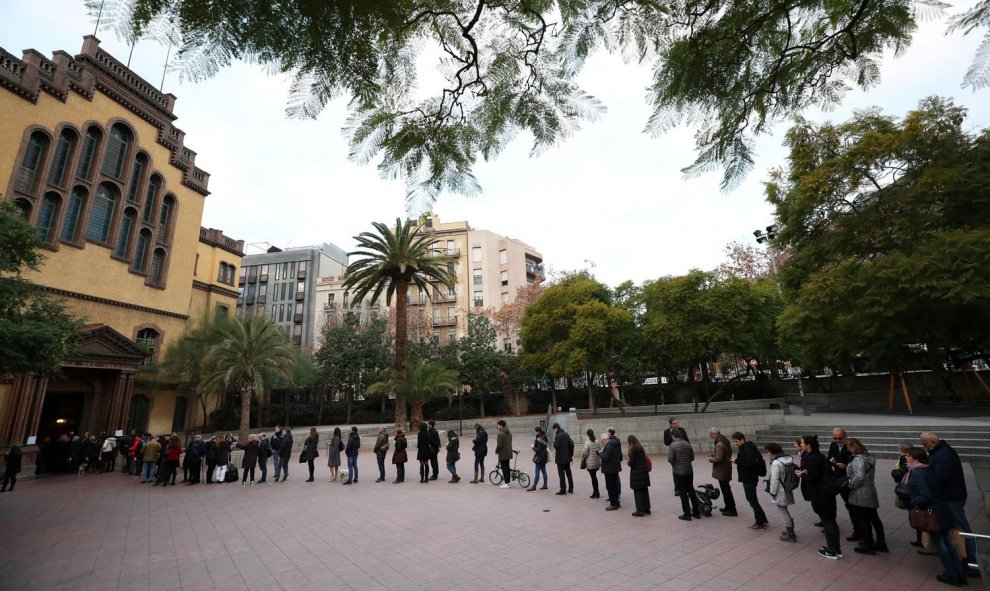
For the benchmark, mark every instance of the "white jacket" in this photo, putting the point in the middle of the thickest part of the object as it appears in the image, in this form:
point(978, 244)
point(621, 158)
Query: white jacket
point(779, 495)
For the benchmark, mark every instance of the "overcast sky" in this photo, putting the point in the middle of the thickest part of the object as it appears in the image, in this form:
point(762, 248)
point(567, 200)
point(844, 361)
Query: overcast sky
point(610, 196)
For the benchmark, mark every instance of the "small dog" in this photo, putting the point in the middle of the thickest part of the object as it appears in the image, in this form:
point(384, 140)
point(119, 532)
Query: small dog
point(82, 468)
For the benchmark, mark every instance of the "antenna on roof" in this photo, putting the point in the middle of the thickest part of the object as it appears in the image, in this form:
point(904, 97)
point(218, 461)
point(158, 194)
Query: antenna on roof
point(98, 17)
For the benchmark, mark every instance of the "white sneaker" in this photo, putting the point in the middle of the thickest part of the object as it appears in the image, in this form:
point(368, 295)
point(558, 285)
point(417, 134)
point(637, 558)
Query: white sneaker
point(504, 486)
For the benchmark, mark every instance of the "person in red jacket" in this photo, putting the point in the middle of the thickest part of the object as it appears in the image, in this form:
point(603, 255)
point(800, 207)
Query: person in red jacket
point(173, 451)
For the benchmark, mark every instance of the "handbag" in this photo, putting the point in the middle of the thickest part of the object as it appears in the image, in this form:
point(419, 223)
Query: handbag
point(584, 463)
point(302, 457)
point(902, 498)
point(924, 520)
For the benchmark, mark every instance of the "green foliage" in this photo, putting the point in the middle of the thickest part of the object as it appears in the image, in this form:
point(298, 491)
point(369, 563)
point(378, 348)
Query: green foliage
point(888, 226)
point(352, 355)
point(35, 331)
point(512, 68)
point(419, 383)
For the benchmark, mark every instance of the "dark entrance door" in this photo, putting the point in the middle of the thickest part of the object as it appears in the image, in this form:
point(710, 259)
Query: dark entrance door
point(137, 420)
point(61, 414)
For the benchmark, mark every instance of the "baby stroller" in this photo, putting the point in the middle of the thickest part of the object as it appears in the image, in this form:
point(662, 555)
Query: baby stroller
point(706, 493)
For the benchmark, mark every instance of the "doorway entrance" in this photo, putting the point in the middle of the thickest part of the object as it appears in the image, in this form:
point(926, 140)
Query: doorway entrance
point(61, 414)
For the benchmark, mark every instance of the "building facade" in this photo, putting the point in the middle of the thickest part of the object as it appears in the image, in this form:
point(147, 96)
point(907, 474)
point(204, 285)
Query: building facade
point(90, 154)
point(281, 284)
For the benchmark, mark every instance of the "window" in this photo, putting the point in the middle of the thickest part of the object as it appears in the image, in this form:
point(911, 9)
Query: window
point(90, 144)
point(243, 273)
point(451, 313)
point(196, 266)
point(347, 298)
point(274, 312)
point(70, 225)
point(137, 176)
point(450, 247)
point(451, 336)
point(505, 297)
point(141, 251)
point(477, 277)
point(222, 311)
point(240, 297)
point(297, 330)
point(63, 153)
point(250, 294)
point(165, 219)
point(301, 289)
point(156, 275)
point(330, 303)
point(452, 269)
point(503, 256)
point(116, 151)
point(476, 254)
point(47, 216)
point(147, 339)
point(263, 275)
point(301, 274)
point(154, 186)
point(278, 271)
point(262, 294)
point(101, 214)
point(479, 299)
point(34, 155)
point(504, 277)
point(281, 312)
point(124, 236)
point(226, 274)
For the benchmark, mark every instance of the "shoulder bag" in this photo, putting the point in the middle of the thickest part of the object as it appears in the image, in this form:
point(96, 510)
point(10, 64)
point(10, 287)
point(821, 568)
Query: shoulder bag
point(924, 520)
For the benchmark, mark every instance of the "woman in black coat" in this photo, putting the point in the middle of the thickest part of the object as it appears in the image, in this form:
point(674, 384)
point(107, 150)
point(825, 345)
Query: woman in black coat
point(311, 451)
point(453, 454)
point(12, 469)
point(400, 457)
point(479, 445)
point(814, 473)
point(639, 476)
point(423, 453)
point(250, 459)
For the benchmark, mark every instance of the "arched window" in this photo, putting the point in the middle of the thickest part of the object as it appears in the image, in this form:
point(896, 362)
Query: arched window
point(116, 152)
point(70, 225)
point(63, 154)
point(156, 274)
point(92, 142)
point(101, 214)
point(154, 187)
point(165, 219)
point(127, 223)
point(47, 216)
point(34, 156)
point(24, 207)
point(147, 339)
point(141, 251)
point(137, 177)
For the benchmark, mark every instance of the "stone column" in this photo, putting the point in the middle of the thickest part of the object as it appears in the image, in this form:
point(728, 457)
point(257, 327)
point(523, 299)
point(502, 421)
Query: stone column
point(16, 410)
point(37, 403)
point(127, 392)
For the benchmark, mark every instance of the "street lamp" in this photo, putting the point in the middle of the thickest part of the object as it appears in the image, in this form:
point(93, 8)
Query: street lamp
point(465, 389)
point(764, 237)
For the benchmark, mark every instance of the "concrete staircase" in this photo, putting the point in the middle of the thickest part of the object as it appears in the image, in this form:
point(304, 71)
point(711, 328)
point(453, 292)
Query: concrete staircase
point(971, 442)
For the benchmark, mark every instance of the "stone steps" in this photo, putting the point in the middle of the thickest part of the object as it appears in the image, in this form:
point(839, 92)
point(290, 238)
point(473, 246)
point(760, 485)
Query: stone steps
point(971, 442)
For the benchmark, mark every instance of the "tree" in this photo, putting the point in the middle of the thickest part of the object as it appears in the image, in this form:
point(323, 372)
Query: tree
point(419, 383)
point(352, 355)
point(35, 330)
point(733, 68)
point(507, 319)
point(250, 354)
point(481, 363)
point(184, 362)
point(748, 261)
point(572, 328)
point(694, 317)
point(888, 226)
point(390, 261)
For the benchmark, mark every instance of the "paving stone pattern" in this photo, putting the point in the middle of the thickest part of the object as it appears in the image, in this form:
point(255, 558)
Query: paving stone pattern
point(101, 532)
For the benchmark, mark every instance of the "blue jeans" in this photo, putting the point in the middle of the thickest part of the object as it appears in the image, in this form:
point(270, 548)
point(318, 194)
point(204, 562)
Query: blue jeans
point(947, 554)
point(381, 465)
point(352, 469)
point(750, 489)
point(275, 461)
point(536, 475)
point(263, 465)
point(148, 471)
point(452, 469)
point(958, 511)
point(479, 466)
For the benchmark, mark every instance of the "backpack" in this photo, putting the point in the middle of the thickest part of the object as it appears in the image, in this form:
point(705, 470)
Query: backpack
point(830, 482)
point(231, 475)
point(761, 465)
point(789, 478)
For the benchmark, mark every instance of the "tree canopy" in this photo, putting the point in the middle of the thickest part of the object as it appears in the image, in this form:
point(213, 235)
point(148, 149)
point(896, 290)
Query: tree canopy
point(887, 224)
point(353, 355)
point(511, 68)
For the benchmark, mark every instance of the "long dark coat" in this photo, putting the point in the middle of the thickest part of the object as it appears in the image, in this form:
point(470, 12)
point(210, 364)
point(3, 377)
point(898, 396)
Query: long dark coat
point(423, 445)
point(639, 476)
point(399, 455)
point(250, 459)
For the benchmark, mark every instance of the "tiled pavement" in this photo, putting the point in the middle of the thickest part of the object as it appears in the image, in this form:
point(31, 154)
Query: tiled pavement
point(110, 532)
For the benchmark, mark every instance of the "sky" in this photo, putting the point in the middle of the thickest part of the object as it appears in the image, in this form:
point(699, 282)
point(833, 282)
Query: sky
point(610, 199)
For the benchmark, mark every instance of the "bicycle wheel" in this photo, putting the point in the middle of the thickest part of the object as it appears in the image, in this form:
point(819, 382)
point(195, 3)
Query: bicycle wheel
point(495, 477)
point(523, 479)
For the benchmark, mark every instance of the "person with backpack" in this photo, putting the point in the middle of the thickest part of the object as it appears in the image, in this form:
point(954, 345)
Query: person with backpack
point(863, 500)
point(563, 449)
point(783, 480)
point(750, 466)
point(818, 486)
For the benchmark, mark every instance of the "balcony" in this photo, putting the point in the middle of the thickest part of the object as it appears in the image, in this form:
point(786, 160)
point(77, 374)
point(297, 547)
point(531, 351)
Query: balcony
point(253, 278)
point(301, 274)
point(445, 252)
point(263, 278)
point(442, 298)
point(479, 303)
point(297, 318)
point(416, 301)
point(445, 321)
point(300, 296)
point(262, 299)
point(533, 269)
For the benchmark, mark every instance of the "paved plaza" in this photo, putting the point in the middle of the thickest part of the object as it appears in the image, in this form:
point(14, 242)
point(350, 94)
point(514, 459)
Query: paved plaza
point(100, 532)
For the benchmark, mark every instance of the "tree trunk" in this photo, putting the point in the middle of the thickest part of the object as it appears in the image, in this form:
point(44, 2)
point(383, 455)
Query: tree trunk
point(417, 418)
point(202, 403)
point(591, 395)
point(401, 327)
point(693, 377)
point(246, 393)
point(384, 398)
point(481, 397)
point(350, 403)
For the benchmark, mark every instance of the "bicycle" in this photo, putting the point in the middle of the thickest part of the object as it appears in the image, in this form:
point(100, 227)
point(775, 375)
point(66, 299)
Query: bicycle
point(495, 477)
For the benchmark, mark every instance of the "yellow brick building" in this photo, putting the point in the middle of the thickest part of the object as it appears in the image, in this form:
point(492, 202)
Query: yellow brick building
point(89, 152)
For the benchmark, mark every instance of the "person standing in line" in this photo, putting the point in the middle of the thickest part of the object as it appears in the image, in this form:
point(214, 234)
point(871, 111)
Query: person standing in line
point(611, 457)
point(133, 465)
point(639, 476)
point(680, 454)
point(108, 450)
point(250, 460)
point(900, 470)
point(223, 458)
point(276, 444)
point(210, 453)
point(334, 448)
point(748, 462)
point(453, 454)
point(149, 455)
point(194, 459)
point(591, 462)
point(399, 457)
point(503, 449)
point(479, 445)
point(674, 424)
point(12, 467)
point(922, 486)
point(814, 477)
point(780, 496)
point(351, 450)
point(839, 457)
point(721, 460)
point(563, 449)
point(949, 482)
point(423, 453)
point(285, 453)
point(863, 498)
point(540, 458)
point(380, 449)
point(311, 451)
point(173, 450)
point(264, 452)
point(434, 449)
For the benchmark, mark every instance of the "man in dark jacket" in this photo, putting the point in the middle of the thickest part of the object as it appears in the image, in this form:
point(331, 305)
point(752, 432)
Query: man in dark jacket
point(839, 457)
point(721, 460)
point(380, 449)
point(351, 451)
point(434, 448)
point(563, 447)
point(284, 455)
point(680, 454)
point(946, 473)
point(276, 443)
point(611, 455)
point(674, 424)
point(264, 452)
point(194, 459)
point(479, 445)
point(748, 462)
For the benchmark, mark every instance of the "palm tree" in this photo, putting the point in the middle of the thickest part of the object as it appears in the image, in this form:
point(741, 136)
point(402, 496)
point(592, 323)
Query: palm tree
point(249, 355)
point(390, 261)
point(418, 384)
point(185, 360)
